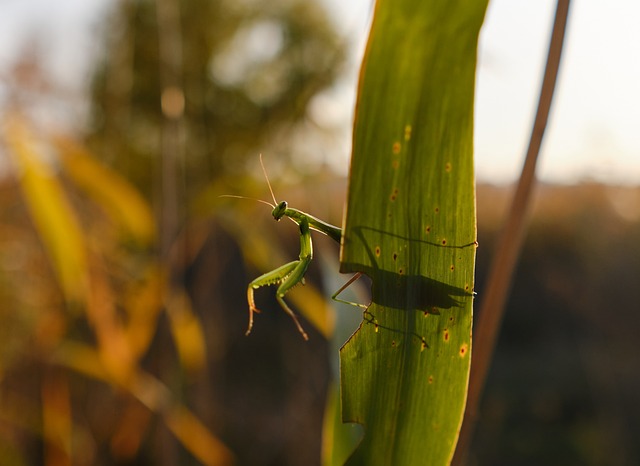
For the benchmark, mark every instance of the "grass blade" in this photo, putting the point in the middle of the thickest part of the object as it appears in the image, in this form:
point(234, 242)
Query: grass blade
point(410, 226)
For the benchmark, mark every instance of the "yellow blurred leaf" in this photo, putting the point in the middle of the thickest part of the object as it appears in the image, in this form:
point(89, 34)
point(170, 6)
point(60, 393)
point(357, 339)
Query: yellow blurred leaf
point(57, 425)
point(197, 438)
point(153, 394)
point(81, 358)
point(122, 202)
point(50, 210)
point(113, 345)
point(315, 308)
point(187, 331)
point(143, 302)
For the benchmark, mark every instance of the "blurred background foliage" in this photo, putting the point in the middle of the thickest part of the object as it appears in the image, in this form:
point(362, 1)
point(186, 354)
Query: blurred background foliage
point(123, 274)
point(124, 319)
point(245, 75)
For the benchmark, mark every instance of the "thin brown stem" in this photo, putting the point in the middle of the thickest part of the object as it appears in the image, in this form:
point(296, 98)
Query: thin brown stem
point(511, 239)
point(171, 165)
point(172, 105)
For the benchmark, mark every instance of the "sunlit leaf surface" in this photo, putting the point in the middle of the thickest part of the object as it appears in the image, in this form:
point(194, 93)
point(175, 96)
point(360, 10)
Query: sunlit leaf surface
point(410, 226)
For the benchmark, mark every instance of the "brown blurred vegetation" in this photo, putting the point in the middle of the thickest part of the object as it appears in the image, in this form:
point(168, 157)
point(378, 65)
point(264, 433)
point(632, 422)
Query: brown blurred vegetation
point(122, 272)
point(564, 385)
point(123, 334)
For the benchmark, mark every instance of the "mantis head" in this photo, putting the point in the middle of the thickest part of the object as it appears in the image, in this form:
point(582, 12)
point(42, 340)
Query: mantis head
point(279, 210)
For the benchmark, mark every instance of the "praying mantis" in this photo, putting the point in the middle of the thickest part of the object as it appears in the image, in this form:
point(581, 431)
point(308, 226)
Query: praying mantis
point(291, 274)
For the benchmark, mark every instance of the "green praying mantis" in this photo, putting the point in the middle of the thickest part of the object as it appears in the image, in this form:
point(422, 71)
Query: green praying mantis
point(291, 274)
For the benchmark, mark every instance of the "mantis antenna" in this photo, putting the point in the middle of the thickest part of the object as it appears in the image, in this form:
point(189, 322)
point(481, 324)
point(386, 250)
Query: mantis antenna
point(266, 177)
point(248, 199)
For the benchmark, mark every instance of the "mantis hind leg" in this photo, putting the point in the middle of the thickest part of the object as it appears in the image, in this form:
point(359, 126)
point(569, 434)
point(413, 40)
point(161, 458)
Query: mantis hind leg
point(294, 278)
point(288, 310)
point(367, 316)
point(334, 296)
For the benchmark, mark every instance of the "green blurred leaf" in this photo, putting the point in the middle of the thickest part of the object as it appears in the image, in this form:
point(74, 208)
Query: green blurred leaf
point(339, 440)
point(410, 226)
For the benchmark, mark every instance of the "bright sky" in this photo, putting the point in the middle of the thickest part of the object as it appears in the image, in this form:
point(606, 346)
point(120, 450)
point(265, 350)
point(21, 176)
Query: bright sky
point(594, 128)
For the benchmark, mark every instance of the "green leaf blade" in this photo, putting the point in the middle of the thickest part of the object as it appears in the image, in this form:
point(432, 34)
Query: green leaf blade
point(410, 226)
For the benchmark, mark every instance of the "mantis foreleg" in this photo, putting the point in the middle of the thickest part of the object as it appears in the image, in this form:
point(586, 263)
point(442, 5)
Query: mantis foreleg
point(291, 274)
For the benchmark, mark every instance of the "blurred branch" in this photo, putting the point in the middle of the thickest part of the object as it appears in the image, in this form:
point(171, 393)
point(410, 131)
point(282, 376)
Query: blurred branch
point(172, 104)
point(505, 259)
point(171, 195)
